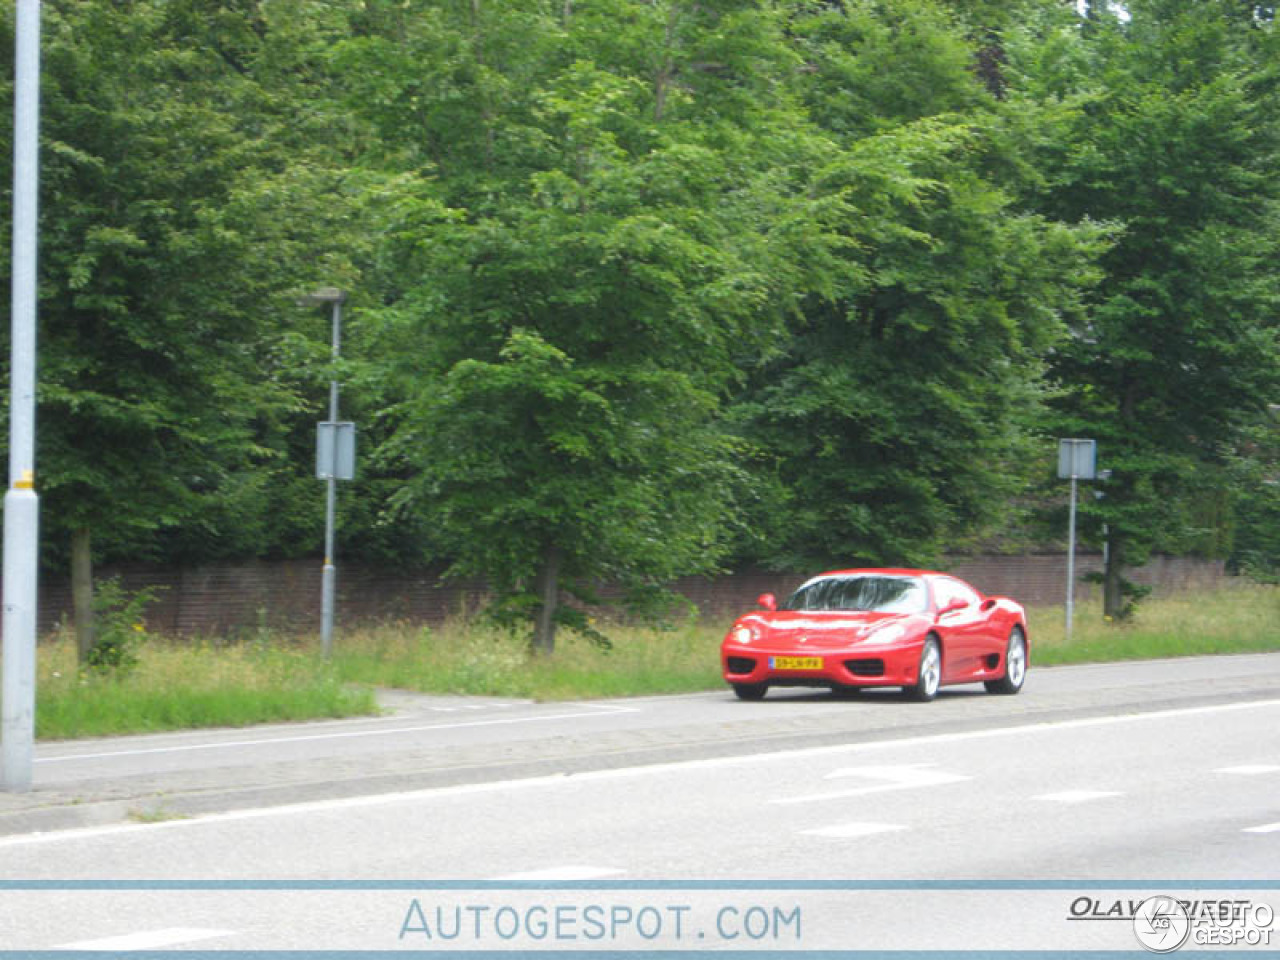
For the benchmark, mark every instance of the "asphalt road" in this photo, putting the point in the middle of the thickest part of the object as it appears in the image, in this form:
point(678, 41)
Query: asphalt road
point(426, 741)
point(366, 834)
point(1161, 773)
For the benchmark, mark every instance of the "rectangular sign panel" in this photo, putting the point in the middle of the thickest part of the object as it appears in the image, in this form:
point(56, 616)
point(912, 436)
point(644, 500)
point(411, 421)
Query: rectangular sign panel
point(335, 450)
point(1077, 458)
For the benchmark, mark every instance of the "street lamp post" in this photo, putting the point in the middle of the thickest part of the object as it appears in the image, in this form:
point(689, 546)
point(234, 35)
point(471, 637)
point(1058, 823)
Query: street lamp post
point(329, 472)
point(21, 505)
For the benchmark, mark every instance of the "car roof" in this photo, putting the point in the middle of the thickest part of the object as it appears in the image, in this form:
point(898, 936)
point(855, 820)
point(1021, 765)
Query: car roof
point(880, 571)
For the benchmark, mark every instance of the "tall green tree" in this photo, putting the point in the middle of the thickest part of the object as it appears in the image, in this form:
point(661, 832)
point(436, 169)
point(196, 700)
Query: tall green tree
point(898, 421)
point(175, 204)
point(1255, 544)
point(1174, 140)
point(579, 262)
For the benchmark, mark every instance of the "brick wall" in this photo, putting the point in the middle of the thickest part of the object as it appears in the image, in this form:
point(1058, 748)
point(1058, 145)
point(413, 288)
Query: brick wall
point(1042, 579)
point(286, 595)
point(232, 598)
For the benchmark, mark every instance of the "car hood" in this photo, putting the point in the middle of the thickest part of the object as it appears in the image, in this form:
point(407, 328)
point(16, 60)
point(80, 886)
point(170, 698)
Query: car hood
point(822, 629)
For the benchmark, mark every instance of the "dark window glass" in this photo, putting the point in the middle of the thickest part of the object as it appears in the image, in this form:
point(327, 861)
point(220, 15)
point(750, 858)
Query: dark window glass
point(883, 594)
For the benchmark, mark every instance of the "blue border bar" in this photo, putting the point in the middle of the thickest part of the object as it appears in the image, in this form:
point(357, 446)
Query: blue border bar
point(656, 885)
point(618, 954)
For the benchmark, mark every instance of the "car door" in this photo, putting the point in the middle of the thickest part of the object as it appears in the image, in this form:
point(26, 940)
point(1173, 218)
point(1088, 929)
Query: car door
point(963, 629)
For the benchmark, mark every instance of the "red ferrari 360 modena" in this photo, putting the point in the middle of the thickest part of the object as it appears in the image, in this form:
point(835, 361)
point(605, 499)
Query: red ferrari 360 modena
point(914, 629)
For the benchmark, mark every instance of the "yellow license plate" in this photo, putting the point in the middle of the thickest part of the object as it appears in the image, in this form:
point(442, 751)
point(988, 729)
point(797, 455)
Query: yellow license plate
point(795, 663)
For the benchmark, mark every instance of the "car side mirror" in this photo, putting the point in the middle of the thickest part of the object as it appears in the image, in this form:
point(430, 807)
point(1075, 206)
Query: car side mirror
point(952, 607)
point(768, 601)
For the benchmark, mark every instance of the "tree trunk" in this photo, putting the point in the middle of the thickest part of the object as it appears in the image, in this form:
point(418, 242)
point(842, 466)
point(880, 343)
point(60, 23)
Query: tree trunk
point(1113, 601)
point(548, 587)
point(82, 590)
point(666, 73)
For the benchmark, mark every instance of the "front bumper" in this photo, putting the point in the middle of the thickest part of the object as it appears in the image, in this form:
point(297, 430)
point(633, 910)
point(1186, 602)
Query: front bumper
point(855, 666)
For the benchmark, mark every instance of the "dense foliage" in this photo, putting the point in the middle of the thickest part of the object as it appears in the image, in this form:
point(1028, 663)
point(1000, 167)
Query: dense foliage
point(641, 288)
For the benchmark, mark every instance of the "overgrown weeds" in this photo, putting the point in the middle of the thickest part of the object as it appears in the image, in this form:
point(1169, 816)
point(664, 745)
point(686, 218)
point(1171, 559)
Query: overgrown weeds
point(475, 658)
point(185, 684)
point(269, 677)
point(1238, 619)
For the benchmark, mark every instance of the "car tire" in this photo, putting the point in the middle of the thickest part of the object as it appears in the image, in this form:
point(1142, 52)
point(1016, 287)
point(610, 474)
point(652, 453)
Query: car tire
point(929, 674)
point(750, 691)
point(1015, 666)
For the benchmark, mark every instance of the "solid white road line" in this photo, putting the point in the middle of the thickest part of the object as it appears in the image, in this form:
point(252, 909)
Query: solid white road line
point(553, 874)
point(846, 831)
point(320, 806)
point(1077, 796)
point(590, 710)
point(147, 940)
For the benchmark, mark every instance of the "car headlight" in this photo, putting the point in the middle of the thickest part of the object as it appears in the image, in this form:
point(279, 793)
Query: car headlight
point(742, 634)
point(888, 634)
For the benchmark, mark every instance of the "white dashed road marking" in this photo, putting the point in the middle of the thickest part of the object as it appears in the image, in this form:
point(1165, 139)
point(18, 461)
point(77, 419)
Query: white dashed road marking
point(883, 778)
point(849, 830)
point(1265, 828)
point(1078, 796)
point(147, 940)
point(1250, 769)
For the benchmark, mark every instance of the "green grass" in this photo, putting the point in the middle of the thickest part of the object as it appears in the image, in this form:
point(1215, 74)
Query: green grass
point(1239, 619)
point(186, 685)
point(183, 684)
point(471, 659)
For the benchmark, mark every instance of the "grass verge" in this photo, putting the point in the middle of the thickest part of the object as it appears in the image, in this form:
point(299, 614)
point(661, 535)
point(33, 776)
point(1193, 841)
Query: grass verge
point(187, 685)
point(1242, 618)
point(467, 658)
point(178, 685)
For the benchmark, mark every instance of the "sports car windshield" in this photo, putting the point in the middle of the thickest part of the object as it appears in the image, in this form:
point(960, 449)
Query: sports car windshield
point(882, 594)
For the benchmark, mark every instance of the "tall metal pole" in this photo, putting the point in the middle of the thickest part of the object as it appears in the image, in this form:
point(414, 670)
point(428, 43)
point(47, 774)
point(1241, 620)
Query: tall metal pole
point(329, 573)
point(21, 506)
point(1071, 556)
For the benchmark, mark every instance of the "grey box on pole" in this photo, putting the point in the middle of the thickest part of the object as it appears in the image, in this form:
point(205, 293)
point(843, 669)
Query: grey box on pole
point(1078, 459)
point(335, 450)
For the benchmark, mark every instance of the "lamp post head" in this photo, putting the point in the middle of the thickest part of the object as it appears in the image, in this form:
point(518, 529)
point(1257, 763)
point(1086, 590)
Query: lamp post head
point(323, 295)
